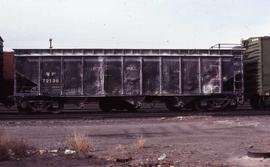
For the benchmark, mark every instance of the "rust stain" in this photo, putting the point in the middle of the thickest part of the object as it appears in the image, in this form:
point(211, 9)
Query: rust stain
point(8, 65)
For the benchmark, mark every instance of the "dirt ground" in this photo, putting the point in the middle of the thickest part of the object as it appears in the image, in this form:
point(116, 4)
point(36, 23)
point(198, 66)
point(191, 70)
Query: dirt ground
point(179, 141)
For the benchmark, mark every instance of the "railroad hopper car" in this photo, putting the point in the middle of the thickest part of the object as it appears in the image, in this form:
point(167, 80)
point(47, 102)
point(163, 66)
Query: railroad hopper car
point(257, 71)
point(205, 79)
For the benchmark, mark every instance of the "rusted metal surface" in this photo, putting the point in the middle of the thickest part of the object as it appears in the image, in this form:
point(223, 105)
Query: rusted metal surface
point(1, 45)
point(1, 66)
point(127, 72)
point(8, 65)
point(8, 73)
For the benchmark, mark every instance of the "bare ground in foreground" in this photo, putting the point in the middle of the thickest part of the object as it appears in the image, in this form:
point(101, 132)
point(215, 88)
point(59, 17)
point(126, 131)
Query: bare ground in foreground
point(179, 141)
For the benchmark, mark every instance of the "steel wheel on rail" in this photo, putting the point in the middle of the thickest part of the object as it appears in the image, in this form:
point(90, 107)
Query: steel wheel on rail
point(174, 104)
point(254, 103)
point(213, 104)
point(200, 105)
point(132, 103)
point(257, 103)
point(105, 105)
point(56, 107)
point(23, 107)
point(232, 105)
point(261, 104)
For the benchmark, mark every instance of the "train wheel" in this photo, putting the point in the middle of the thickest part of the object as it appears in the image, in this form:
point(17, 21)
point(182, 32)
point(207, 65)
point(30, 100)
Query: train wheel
point(172, 107)
point(174, 104)
point(232, 105)
point(213, 104)
point(39, 105)
point(105, 105)
point(200, 105)
point(8, 102)
point(254, 102)
point(261, 104)
point(56, 107)
point(257, 103)
point(23, 107)
point(131, 108)
point(22, 110)
point(131, 103)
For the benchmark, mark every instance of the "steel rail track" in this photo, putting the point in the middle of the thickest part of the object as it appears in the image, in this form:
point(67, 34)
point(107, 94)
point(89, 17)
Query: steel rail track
point(92, 112)
point(81, 114)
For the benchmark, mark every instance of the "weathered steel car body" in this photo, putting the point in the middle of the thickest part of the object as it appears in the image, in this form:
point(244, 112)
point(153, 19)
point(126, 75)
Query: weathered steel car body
point(211, 78)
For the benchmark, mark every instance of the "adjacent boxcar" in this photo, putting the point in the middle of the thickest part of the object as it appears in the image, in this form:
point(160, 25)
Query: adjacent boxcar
point(257, 71)
point(124, 78)
point(1, 44)
point(8, 76)
point(1, 69)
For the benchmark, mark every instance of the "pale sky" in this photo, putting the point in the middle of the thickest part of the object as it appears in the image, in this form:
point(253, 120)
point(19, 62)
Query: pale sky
point(131, 23)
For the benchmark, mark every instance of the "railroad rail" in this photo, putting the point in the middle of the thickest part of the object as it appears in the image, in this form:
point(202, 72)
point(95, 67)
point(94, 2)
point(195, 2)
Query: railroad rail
point(98, 115)
point(92, 112)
